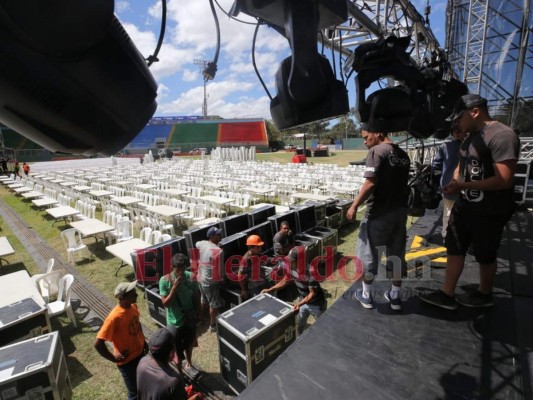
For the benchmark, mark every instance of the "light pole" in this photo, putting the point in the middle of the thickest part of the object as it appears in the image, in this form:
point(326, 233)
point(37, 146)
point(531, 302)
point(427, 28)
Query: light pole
point(202, 64)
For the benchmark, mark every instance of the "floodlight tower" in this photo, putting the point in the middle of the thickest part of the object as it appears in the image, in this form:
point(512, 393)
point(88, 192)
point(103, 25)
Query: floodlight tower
point(202, 64)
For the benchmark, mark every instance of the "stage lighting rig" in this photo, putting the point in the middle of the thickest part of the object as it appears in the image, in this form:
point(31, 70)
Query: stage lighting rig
point(307, 89)
point(421, 100)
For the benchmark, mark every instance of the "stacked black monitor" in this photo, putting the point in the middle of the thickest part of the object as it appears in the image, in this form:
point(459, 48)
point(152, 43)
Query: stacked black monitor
point(151, 263)
point(234, 245)
point(197, 233)
point(289, 216)
point(261, 214)
point(306, 218)
point(234, 224)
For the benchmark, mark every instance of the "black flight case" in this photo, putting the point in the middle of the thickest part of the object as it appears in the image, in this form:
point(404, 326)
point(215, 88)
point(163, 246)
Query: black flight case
point(251, 336)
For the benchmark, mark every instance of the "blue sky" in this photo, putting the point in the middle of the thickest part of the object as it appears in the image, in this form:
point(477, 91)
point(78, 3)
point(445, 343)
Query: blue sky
point(190, 34)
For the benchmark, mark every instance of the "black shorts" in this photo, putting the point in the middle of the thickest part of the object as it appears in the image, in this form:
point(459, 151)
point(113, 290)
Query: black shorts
point(483, 232)
point(185, 339)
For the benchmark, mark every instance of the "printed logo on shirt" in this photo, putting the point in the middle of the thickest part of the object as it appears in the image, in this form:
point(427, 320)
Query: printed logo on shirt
point(396, 161)
point(475, 173)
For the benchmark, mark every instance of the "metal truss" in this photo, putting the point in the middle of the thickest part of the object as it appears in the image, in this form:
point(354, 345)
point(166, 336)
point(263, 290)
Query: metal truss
point(484, 36)
point(476, 33)
point(370, 20)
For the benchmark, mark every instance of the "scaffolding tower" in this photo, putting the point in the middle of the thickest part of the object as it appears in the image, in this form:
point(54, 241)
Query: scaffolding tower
point(490, 47)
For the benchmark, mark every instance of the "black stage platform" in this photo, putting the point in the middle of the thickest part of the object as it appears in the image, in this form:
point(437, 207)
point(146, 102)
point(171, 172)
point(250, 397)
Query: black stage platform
point(422, 352)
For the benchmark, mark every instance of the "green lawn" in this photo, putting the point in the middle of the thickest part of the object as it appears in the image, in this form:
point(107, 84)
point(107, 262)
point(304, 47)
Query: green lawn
point(95, 378)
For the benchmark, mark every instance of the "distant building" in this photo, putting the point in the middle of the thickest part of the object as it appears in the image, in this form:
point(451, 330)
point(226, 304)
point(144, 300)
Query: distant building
point(188, 133)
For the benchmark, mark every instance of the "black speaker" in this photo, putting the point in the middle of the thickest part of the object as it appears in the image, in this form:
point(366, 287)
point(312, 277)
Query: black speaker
point(71, 79)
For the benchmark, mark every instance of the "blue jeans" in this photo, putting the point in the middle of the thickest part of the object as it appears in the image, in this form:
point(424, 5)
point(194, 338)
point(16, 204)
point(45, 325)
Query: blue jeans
point(305, 310)
point(129, 374)
point(383, 234)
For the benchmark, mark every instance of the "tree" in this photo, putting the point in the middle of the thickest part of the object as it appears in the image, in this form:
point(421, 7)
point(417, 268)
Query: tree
point(273, 133)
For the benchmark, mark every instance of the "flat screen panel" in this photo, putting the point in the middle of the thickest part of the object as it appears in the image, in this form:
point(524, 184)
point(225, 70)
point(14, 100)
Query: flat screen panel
point(234, 224)
point(260, 215)
point(152, 263)
point(196, 234)
point(306, 217)
point(234, 245)
point(289, 216)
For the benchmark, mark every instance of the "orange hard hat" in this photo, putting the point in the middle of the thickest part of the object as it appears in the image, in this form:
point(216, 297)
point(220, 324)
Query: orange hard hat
point(254, 240)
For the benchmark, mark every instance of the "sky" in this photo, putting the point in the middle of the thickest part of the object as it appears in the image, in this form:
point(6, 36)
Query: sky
point(190, 35)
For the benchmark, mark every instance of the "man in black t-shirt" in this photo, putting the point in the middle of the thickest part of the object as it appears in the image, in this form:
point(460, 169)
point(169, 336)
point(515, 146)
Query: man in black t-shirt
point(311, 299)
point(156, 379)
point(484, 178)
point(385, 192)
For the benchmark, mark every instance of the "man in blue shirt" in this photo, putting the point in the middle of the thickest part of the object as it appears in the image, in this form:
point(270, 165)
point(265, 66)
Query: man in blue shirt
point(445, 162)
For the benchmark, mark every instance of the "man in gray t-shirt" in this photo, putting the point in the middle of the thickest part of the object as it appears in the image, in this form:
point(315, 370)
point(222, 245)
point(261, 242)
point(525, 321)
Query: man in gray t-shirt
point(210, 274)
point(385, 192)
point(484, 178)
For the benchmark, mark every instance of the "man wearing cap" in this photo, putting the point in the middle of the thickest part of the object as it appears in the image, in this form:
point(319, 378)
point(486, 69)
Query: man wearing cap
point(483, 178)
point(156, 379)
point(386, 192)
point(123, 329)
point(210, 274)
point(311, 300)
point(251, 276)
point(283, 239)
point(445, 162)
point(181, 299)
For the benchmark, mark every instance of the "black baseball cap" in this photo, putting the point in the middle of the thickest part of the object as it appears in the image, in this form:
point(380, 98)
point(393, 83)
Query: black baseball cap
point(466, 102)
point(161, 341)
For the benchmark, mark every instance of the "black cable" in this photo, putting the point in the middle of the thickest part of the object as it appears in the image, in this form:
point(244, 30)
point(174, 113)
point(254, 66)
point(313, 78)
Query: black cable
point(333, 57)
point(211, 68)
point(153, 58)
point(232, 17)
point(340, 57)
point(253, 61)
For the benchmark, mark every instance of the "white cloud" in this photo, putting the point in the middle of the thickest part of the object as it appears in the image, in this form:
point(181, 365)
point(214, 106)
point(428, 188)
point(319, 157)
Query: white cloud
point(162, 92)
point(191, 75)
point(122, 6)
point(219, 101)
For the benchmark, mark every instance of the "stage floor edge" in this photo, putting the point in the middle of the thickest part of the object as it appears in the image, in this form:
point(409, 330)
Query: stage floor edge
point(421, 352)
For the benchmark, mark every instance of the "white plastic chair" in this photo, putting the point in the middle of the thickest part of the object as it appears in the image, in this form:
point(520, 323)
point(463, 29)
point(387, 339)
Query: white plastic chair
point(145, 234)
point(154, 237)
point(62, 304)
point(163, 238)
point(124, 230)
point(48, 285)
point(73, 242)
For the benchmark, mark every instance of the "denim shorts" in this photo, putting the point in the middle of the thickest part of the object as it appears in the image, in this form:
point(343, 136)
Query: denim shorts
point(211, 295)
point(383, 235)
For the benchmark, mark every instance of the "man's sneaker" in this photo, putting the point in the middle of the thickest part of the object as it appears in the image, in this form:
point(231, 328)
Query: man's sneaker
point(212, 328)
point(438, 298)
point(365, 302)
point(395, 304)
point(475, 300)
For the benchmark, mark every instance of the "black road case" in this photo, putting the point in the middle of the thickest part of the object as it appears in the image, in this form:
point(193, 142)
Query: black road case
point(35, 369)
point(22, 320)
point(251, 336)
point(155, 305)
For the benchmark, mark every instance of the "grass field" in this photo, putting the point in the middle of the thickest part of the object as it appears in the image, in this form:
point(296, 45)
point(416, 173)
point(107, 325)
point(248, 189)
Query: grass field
point(95, 378)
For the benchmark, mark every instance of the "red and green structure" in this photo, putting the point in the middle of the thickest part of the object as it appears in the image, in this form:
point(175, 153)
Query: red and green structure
point(188, 133)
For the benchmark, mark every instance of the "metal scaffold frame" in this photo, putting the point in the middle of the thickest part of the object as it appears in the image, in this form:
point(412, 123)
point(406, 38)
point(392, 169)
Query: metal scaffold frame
point(490, 48)
point(370, 20)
